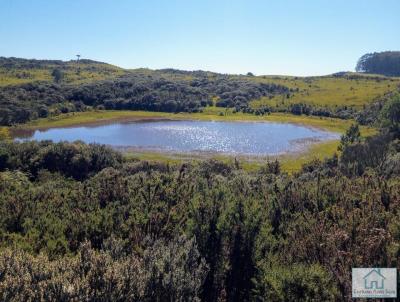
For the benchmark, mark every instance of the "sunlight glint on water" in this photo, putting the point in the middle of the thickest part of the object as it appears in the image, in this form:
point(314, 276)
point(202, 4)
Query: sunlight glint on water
point(251, 138)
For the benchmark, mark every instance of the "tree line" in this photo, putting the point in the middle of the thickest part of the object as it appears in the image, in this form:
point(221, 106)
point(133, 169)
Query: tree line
point(385, 63)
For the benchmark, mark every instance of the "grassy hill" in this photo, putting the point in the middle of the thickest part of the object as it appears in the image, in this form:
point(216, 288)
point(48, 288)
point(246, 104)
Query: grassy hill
point(14, 71)
point(353, 90)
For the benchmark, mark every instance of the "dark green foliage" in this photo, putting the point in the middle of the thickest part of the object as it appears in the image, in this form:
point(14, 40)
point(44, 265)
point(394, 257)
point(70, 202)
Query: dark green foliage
point(22, 103)
point(76, 160)
point(57, 75)
point(161, 90)
point(351, 136)
point(390, 114)
point(133, 92)
point(205, 230)
point(165, 272)
point(299, 109)
point(272, 167)
point(370, 154)
point(386, 63)
point(296, 283)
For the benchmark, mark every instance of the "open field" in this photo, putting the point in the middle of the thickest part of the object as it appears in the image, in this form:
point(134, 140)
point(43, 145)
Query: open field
point(73, 72)
point(290, 163)
point(351, 90)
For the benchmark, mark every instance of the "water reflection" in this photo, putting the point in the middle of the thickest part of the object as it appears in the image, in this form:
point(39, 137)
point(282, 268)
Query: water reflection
point(252, 138)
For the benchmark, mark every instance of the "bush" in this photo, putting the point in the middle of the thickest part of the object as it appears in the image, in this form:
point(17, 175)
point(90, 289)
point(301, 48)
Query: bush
point(76, 160)
point(296, 283)
point(173, 272)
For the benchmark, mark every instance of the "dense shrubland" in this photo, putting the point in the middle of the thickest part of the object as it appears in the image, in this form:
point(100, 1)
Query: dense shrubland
point(164, 90)
point(25, 102)
point(80, 222)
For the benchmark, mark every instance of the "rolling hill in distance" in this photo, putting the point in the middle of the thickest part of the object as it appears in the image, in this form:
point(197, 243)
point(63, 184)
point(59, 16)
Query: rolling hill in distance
point(342, 95)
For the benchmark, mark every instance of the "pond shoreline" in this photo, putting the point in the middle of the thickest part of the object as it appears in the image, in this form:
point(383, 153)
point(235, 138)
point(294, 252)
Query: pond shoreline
point(290, 161)
point(300, 146)
point(194, 138)
point(112, 116)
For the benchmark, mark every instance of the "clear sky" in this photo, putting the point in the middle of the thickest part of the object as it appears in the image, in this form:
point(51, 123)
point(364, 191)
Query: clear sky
point(308, 37)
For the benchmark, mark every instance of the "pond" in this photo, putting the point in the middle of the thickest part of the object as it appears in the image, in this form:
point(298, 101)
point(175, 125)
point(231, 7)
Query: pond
point(247, 138)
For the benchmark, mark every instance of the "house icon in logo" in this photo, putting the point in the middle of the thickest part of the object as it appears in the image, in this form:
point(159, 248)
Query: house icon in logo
point(374, 279)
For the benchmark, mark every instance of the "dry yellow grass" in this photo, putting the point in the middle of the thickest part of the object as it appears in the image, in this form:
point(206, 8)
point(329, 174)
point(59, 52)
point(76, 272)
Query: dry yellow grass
point(329, 91)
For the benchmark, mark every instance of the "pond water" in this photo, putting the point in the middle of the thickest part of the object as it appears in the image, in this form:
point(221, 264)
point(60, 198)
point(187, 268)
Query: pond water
point(247, 138)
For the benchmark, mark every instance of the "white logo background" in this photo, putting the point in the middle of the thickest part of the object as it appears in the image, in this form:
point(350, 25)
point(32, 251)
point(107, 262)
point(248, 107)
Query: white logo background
point(374, 283)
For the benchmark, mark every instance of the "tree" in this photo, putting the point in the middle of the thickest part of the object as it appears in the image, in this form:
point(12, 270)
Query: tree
point(43, 111)
point(386, 63)
point(296, 283)
point(57, 75)
point(296, 109)
point(390, 115)
point(351, 136)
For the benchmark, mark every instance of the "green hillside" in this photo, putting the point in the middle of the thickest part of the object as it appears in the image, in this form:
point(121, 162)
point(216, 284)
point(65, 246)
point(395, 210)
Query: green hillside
point(14, 71)
point(353, 90)
point(348, 89)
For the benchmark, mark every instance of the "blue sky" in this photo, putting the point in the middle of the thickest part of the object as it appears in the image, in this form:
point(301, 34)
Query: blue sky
point(309, 37)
